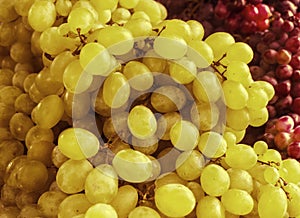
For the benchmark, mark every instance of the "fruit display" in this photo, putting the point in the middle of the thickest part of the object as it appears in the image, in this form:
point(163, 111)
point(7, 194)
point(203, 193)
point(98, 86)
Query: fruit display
point(143, 108)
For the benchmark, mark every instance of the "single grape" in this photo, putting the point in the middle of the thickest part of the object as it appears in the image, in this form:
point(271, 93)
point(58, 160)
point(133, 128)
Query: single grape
point(80, 19)
point(210, 206)
point(240, 179)
point(143, 211)
point(200, 53)
point(101, 210)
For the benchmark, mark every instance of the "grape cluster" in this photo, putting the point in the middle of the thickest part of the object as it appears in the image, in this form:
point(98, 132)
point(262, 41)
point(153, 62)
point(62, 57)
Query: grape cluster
point(106, 102)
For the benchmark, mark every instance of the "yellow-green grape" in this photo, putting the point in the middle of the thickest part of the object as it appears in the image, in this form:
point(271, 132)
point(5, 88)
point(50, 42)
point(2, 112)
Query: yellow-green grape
point(104, 16)
point(293, 193)
point(142, 122)
point(183, 71)
point(80, 19)
point(120, 16)
point(19, 125)
point(169, 178)
point(156, 168)
point(117, 39)
point(63, 7)
point(210, 206)
point(128, 194)
point(98, 104)
point(290, 170)
point(48, 112)
point(174, 200)
point(214, 180)
point(29, 80)
point(237, 201)
point(206, 87)
point(147, 146)
point(271, 175)
point(22, 8)
point(271, 156)
point(260, 147)
point(163, 10)
point(143, 211)
point(197, 190)
point(75, 79)
point(128, 4)
point(258, 117)
point(240, 179)
point(37, 133)
point(9, 94)
point(184, 135)
point(77, 143)
point(101, 210)
point(49, 202)
point(241, 156)
point(95, 59)
point(154, 62)
point(200, 53)
point(101, 185)
point(139, 27)
point(68, 178)
point(138, 75)
point(230, 138)
point(150, 8)
point(235, 50)
point(212, 144)
point(177, 27)
point(239, 134)
point(267, 87)
point(41, 15)
point(197, 29)
point(258, 98)
point(140, 15)
point(132, 166)
point(219, 42)
point(76, 105)
point(104, 5)
point(238, 71)
point(236, 95)
point(272, 203)
point(237, 124)
point(116, 90)
point(189, 164)
point(168, 98)
point(164, 124)
point(41, 151)
point(73, 205)
point(87, 5)
point(164, 42)
point(57, 157)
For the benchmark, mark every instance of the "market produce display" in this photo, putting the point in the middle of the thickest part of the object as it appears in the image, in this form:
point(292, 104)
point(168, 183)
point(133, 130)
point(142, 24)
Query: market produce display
point(141, 108)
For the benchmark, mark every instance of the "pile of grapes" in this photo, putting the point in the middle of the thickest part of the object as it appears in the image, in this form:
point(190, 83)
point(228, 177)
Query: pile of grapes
point(117, 109)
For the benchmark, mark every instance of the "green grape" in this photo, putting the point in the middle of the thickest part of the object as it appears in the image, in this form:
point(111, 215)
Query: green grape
point(163, 11)
point(101, 185)
point(235, 50)
point(138, 75)
point(101, 210)
point(95, 59)
point(189, 164)
point(293, 193)
point(164, 42)
point(116, 125)
point(6, 76)
point(143, 211)
point(147, 146)
point(49, 202)
point(197, 30)
point(77, 143)
point(238, 71)
point(120, 16)
point(128, 4)
point(239, 134)
point(104, 16)
point(41, 15)
point(258, 117)
point(258, 98)
point(141, 122)
point(75, 79)
point(19, 125)
point(177, 27)
point(57, 157)
point(174, 200)
point(260, 147)
point(236, 95)
point(241, 156)
point(30, 211)
point(267, 87)
point(48, 112)
point(98, 104)
point(183, 71)
point(237, 124)
point(116, 90)
point(164, 124)
point(22, 7)
point(139, 27)
point(230, 138)
point(35, 43)
point(168, 98)
point(197, 190)
point(6, 112)
point(139, 15)
point(36, 134)
point(290, 170)
point(63, 7)
point(168, 178)
point(73, 205)
point(272, 203)
point(9, 94)
point(128, 194)
point(28, 82)
point(18, 78)
point(184, 135)
point(240, 179)
point(132, 166)
point(271, 156)
point(104, 5)
point(80, 19)
point(210, 206)
point(257, 172)
point(76, 105)
point(203, 85)
point(214, 180)
point(237, 201)
point(271, 175)
point(200, 53)
point(156, 168)
point(68, 179)
point(212, 144)
point(150, 8)
point(117, 39)
point(87, 5)
point(41, 151)
point(219, 42)
point(79, 216)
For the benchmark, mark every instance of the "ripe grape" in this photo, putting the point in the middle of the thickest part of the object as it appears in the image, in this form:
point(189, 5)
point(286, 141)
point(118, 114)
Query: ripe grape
point(73, 205)
point(101, 209)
